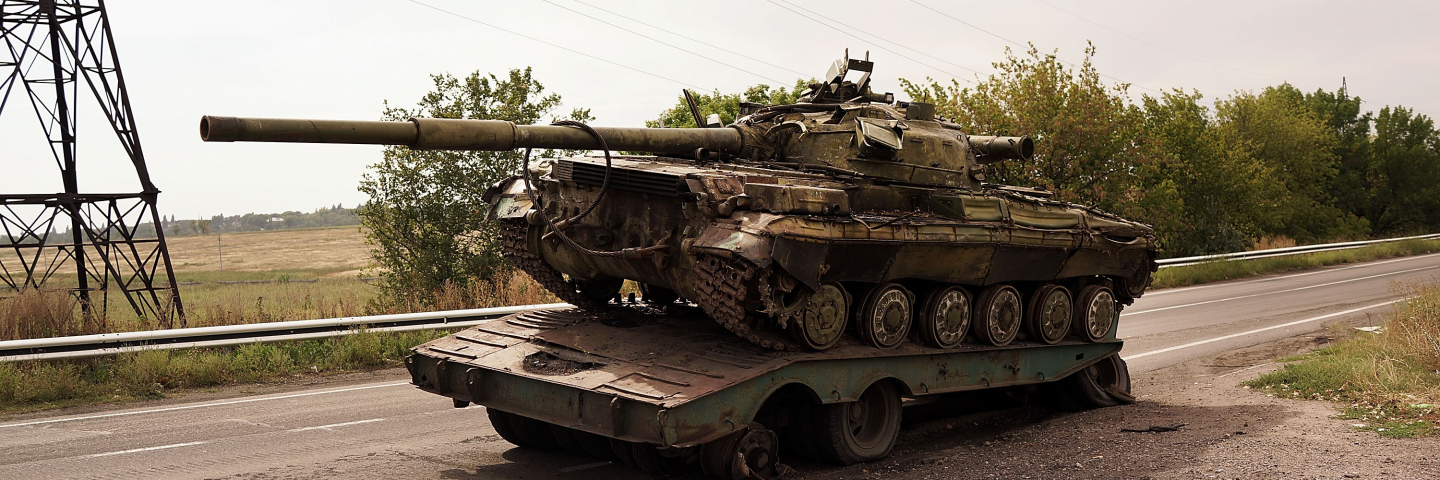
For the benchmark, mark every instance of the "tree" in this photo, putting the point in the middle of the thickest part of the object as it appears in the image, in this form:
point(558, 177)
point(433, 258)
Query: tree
point(1208, 194)
point(1276, 128)
point(1085, 132)
point(1402, 176)
point(425, 217)
point(727, 105)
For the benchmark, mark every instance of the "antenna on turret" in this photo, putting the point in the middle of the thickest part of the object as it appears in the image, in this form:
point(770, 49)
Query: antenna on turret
point(694, 109)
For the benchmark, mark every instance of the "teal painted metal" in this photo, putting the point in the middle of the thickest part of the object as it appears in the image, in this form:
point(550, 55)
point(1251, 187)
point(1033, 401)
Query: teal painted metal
point(696, 386)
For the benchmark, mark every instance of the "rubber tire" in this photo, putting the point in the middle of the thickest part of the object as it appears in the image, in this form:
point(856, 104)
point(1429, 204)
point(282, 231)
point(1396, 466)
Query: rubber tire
point(1032, 314)
point(650, 461)
point(926, 325)
point(522, 431)
point(980, 324)
point(836, 442)
point(863, 325)
point(622, 452)
point(583, 443)
point(1079, 326)
point(1103, 384)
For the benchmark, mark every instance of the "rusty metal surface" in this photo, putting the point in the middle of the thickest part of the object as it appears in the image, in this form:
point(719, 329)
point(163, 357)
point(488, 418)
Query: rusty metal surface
point(677, 379)
point(846, 187)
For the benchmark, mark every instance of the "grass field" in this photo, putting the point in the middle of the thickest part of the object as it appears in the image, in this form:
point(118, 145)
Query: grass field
point(266, 277)
point(1387, 382)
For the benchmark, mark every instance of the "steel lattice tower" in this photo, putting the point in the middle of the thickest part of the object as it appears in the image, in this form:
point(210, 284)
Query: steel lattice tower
point(55, 46)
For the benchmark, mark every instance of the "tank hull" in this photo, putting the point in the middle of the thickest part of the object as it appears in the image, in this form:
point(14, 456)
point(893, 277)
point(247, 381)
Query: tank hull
point(791, 232)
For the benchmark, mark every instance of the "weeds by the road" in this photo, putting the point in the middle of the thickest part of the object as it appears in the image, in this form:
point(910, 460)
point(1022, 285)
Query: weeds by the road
point(41, 385)
point(1232, 269)
point(1388, 382)
point(291, 295)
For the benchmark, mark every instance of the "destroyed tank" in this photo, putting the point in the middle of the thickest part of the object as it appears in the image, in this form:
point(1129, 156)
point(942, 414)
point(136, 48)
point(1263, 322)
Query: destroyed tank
point(796, 223)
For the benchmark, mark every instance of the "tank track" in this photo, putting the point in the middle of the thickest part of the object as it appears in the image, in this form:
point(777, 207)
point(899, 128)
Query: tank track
point(721, 293)
point(513, 245)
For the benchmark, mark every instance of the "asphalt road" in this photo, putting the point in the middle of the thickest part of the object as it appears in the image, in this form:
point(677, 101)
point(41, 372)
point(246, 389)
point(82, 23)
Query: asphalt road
point(391, 430)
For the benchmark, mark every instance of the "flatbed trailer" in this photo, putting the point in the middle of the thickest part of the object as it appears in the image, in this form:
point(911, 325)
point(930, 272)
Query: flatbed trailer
point(666, 392)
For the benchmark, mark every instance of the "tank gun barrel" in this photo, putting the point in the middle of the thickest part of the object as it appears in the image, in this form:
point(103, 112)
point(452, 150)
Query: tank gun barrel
point(457, 134)
point(990, 149)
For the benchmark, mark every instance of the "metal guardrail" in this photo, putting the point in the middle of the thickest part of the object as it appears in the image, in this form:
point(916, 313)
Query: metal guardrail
point(111, 343)
point(80, 346)
point(1277, 252)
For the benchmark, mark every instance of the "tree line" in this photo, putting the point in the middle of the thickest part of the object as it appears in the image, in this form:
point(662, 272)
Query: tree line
point(1215, 176)
point(1211, 176)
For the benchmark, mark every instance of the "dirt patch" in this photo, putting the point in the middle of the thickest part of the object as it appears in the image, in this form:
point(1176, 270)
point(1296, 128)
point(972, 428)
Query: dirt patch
point(543, 363)
point(1230, 432)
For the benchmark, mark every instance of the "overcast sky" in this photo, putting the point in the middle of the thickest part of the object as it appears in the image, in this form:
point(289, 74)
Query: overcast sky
point(344, 59)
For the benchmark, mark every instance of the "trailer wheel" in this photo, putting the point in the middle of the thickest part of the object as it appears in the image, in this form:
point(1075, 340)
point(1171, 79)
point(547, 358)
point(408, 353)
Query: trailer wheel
point(1050, 312)
point(622, 451)
point(1103, 384)
point(885, 315)
point(862, 430)
point(746, 454)
point(650, 460)
point(998, 314)
point(522, 431)
point(946, 318)
point(583, 443)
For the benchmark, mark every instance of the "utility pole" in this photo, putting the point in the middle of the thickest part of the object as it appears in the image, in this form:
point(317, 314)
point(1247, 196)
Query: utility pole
point(56, 46)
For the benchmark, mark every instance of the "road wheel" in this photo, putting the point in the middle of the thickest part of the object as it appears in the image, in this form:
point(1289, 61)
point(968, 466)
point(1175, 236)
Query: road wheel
point(1095, 313)
point(998, 314)
point(946, 317)
point(885, 315)
point(1103, 384)
point(522, 431)
point(823, 316)
point(1050, 313)
point(658, 296)
point(862, 430)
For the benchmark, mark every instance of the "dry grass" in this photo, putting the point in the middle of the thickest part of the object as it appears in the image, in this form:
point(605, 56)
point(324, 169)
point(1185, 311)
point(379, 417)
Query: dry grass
point(1388, 381)
point(1271, 243)
point(339, 250)
point(308, 274)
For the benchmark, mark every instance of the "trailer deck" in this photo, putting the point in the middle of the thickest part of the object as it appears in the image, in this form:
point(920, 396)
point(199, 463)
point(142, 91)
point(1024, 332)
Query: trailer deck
point(678, 380)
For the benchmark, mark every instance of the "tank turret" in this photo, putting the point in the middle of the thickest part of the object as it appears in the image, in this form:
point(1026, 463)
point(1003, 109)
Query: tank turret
point(847, 211)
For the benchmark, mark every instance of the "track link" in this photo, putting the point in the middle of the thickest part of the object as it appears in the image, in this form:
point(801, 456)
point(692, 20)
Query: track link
point(513, 244)
point(722, 288)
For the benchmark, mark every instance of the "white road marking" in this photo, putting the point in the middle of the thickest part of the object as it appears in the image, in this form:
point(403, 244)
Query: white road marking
point(1258, 330)
point(586, 466)
point(202, 405)
point(333, 425)
point(1172, 307)
point(146, 449)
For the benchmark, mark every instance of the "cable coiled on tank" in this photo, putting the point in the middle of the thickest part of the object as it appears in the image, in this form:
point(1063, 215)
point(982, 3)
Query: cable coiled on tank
point(604, 187)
